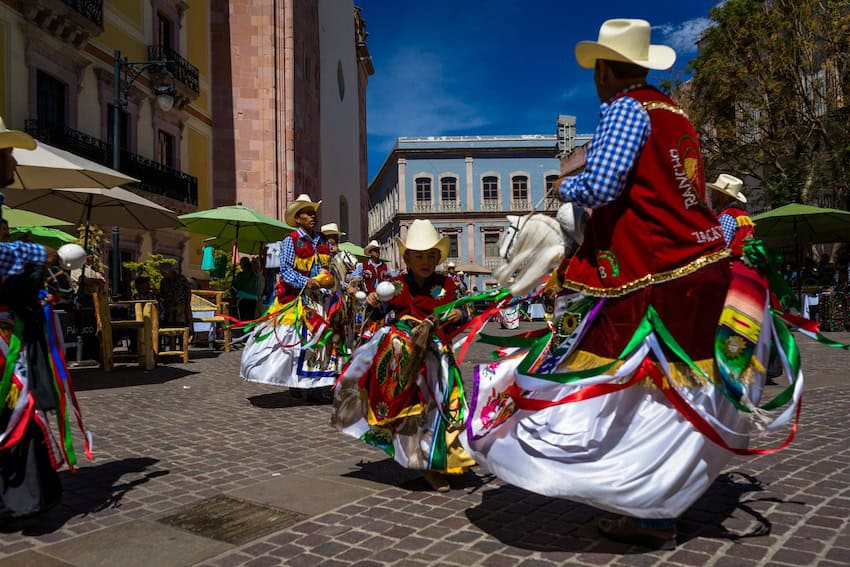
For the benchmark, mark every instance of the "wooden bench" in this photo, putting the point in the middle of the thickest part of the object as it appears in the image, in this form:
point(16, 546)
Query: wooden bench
point(145, 316)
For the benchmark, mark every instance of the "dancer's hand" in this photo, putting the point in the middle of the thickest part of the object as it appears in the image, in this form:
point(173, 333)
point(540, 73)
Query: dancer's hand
point(454, 317)
point(312, 284)
point(372, 299)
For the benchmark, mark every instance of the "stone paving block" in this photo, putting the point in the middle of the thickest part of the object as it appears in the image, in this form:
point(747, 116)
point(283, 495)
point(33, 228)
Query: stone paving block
point(301, 493)
point(33, 559)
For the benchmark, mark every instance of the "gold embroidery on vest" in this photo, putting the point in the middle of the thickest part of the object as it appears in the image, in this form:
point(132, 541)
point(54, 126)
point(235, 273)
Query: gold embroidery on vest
point(660, 105)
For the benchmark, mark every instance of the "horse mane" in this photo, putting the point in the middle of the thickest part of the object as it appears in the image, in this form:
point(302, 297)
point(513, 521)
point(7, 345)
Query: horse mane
point(535, 252)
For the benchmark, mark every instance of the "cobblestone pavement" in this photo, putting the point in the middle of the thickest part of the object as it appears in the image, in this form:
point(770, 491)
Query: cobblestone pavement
point(189, 434)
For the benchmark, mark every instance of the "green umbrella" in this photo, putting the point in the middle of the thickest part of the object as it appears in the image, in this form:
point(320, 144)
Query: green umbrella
point(236, 222)
point(52, 237)
point(352, 248)
point(19, 218)
point(794, 223)
point(245, 246)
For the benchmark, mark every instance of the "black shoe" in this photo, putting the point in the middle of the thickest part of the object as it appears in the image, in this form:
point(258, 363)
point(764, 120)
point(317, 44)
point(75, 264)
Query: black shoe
point(625, 530)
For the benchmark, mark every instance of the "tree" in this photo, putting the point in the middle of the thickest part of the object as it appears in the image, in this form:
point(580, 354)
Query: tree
point(150, 268)
point(771, 97)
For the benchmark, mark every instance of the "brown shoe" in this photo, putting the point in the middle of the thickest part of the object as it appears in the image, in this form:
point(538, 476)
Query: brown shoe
point(438, 481)
point(626, 530)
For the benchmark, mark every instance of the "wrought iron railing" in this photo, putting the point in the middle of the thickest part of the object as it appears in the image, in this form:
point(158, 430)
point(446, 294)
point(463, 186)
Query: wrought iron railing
point(179, 67)
point(91, 9)
point(491, 205)
point(519, 205)
point(154, 177)
point(449, 206)
point(423, 207)
point(493, 263)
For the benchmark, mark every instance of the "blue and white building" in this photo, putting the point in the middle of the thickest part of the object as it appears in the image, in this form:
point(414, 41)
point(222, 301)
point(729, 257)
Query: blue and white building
point(465, 185)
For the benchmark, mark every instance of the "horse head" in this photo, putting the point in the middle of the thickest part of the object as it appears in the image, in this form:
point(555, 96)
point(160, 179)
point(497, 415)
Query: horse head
point(509, 236)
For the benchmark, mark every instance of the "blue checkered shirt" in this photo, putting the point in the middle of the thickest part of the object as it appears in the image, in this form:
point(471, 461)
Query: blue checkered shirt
point(13, 256)
point(729, 225)
point(287, 260)
point(622, 132)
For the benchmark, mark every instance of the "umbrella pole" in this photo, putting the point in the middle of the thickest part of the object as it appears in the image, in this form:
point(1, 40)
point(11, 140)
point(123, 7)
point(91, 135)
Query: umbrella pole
point(233, 269)
point(116, 260)
point(799, 266)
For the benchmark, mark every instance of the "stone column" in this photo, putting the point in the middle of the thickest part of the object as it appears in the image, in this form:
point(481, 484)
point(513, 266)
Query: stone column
point(402, 185)
point(470, 191)
point(470, 242)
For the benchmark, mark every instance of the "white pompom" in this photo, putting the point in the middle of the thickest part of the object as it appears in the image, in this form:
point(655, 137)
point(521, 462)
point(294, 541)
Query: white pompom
point(71, 256)
point(385, 291)
point(360, 296)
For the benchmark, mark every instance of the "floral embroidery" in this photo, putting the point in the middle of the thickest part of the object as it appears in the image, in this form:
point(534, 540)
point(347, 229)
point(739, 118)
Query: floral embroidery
point(438, 292)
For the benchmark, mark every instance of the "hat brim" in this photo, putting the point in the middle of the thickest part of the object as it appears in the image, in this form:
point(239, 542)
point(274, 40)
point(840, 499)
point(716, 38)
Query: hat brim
point(442, 245)
point(296, 207)
point(16, 139)
point(740, 196)
point(370, 248)
point(660, 57)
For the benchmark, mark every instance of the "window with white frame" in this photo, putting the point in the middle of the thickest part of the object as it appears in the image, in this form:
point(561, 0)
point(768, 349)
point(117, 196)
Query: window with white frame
point(519, 188)
point(448, 189)
point(423, 189)
point(454, 250)
point(491, 244)
point(490, 188)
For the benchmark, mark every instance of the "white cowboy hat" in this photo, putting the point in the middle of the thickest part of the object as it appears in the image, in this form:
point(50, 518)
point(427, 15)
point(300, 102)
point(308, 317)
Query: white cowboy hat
point(331, 229)
point(302, 202)
point(625, 40)
point(451, 265)
point(372, 244)
point(14, 138)
point(422, 236)
point(730, 185)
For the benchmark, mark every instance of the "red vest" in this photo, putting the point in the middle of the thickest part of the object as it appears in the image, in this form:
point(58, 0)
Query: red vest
point(305, 258)
point(660, 227)
point(440, 289)
point(746, 229)
point(376, 272)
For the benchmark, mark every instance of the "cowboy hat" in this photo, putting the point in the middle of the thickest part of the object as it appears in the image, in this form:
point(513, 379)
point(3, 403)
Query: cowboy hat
point(625, 40)
point(422, 236)
point(14, 138)
point(451, 265)
point(331, 229)
point(373, 244)
point(730, 185)
point(302, 202)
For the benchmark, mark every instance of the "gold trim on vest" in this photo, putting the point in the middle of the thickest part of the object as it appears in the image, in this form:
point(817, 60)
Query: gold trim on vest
point(649, 279)
point(661, 105)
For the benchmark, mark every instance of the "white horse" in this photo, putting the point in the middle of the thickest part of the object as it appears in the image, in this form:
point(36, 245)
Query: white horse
point(534, 245)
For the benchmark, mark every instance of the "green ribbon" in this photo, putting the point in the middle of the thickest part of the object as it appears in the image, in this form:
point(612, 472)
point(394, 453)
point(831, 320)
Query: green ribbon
point(768, 262)
point(489, 295)
point(11, 358)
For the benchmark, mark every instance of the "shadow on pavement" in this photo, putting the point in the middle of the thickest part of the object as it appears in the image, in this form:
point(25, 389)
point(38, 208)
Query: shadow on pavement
point(92, 489)
point(386, 471)
point(288, 399)
point(123, 376)
point(526, 520)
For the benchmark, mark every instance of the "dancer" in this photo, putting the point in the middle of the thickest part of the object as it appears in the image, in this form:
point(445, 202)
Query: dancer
point(284, 348)
point(629, 412)
point(401, 390)
point(374, 267)
point(36, 379)
point(736, 223)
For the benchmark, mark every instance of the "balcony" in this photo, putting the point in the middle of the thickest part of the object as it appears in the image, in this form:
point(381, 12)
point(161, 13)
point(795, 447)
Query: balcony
point(71, 21)
point(179, 68)
point(449, 206)
point(423, 207)
point(491, 205)
point(493, 263)
point(520, 205)
point(552, 204)
point(155, 178)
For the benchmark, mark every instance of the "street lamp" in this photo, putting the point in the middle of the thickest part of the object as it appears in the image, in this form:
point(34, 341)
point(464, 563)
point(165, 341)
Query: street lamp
point(164, 100)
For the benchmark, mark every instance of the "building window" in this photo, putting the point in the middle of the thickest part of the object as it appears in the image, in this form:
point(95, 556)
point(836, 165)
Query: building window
point(343, 214)
point(448, 189)
point(165, 30)
point(453, 246)
point(167, 149)
point(50, 101)
point(490, 188)
point(124, 125)
point(519, 188)
point(550, 179)
point(423, 189)
point(491, 244)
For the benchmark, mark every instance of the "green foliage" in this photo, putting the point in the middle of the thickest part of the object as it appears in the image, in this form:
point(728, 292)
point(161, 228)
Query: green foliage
point(95, 242)
point(770, 97)
point(150, 268)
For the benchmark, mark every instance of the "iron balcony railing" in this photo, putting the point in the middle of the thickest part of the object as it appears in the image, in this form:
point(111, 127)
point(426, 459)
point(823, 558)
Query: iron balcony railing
point(91, 9)
point(491, 205)
point(493, 263)
point(423, 207)
point(154, 177)
point(179, 68)
point(450, 206)
point(520, 205)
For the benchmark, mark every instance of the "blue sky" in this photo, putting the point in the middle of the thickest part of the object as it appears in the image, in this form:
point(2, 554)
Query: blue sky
point(497, 67)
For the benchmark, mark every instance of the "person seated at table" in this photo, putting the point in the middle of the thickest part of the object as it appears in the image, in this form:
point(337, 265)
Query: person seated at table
point(143, 289)
point(174, 298)
point(246, 285)
point(87, 280)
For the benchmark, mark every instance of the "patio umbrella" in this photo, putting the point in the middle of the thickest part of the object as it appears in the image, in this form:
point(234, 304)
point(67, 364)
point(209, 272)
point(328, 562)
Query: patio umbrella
point(245, 246)
point(795, 222)
point(52, 237)
point(18, 218)
point(47, 167)
point(354, 249)
point(474, 269)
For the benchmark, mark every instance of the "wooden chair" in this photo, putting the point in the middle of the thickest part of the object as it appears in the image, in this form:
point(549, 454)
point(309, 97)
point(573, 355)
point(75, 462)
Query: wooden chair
point(171, 341)
point(145, 315)
point(211, 301)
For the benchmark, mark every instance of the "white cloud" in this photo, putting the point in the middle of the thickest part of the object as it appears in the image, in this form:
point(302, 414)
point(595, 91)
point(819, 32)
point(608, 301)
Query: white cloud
point(683, 36)
point(414, 94)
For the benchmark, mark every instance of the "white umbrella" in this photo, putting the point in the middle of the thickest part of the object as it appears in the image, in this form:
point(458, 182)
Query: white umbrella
point(47, 167)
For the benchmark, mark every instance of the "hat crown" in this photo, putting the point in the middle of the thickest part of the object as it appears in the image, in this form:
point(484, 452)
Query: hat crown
point(730, 185)
point(421, 235)
point(629, 37)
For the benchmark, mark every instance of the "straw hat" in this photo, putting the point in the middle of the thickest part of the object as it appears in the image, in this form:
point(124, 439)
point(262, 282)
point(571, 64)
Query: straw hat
point(14, 138)
point(451, 265)
point(302, 202)
point(730, 185)
point(422, 236)
point(373, 244)
point(625, 40)
point(331, 229)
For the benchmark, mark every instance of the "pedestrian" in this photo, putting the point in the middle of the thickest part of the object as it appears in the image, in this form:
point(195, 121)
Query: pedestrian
point(34, 377)
point(597, 419)
point(282, 350)
point(401, 390)
point(246, 285)
point(726, 199)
